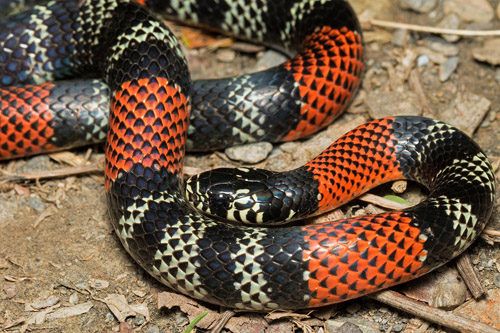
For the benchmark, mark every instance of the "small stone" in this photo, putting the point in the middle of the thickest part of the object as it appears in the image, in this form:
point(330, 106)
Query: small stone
point(109, 316)
point(73, 298)
point(449, 295)
point(489, 52)
point(225, 55)
point(397, 328)
point(400, 37)
point(37, 163)
point(479, 11)
point(438, 44)
point(10, 290)
point(353, 324)
point(270, 58)
point(419, 6)
point(448, 68)
point(353, 308)
point(36, 203)
point(98, 284)
point(349, 327)
point(497, 75)
point(496, 280)
point(450, 21)
point(82, 285)
point(423, 60)
point(251, 153)
point(139, 320)
point(153, 330)
point(392, 103)
point(181, 319)
point(467, 112)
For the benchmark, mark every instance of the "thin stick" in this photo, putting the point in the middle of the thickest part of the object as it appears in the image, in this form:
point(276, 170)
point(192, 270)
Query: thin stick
point(430, 313)
point(383, 202)
point(469, 275)
point(58, 173)
point(433, 30)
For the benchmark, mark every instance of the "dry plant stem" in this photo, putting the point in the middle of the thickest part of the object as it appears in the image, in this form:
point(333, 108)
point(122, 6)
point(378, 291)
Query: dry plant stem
point(221, 323)
point(492, 232)
point(469, 275)
point(417, 87)
point(382, 202)
point(433, 30)
point(431, 314)
point(63, 172)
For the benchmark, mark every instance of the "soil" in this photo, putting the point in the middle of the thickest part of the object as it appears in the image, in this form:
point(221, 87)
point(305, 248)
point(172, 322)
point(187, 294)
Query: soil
point(56, 238)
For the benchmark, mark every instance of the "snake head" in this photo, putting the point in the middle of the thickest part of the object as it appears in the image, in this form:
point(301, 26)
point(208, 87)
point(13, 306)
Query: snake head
point(241, 195)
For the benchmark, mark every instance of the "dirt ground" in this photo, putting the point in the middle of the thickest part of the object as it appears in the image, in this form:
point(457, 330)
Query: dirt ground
point(58, 249)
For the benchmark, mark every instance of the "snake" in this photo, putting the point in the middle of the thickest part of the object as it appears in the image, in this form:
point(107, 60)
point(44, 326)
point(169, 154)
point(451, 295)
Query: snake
point(127, 54)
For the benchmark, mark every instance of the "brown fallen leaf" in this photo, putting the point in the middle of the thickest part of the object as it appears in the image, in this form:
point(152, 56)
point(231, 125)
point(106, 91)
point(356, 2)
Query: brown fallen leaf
point(70, 311)
point(251, 322)
point(190, 307)
point(119, 307)
point(42, 304)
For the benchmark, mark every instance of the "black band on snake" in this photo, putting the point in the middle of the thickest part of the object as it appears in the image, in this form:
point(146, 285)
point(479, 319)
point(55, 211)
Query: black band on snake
point(151, 99)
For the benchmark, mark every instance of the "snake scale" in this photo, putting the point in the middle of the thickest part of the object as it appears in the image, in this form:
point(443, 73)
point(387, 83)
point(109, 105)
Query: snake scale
point(156, 112)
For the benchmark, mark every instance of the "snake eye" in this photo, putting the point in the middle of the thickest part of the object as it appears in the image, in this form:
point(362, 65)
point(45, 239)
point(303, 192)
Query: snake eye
point(220, 202)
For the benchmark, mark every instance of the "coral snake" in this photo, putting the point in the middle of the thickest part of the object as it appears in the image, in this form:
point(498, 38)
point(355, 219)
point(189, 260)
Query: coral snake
point(152, 97)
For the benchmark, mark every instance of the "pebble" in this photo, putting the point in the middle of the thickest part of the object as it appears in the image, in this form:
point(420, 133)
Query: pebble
point(397, 328)
point(73, 298)
point(489, 52)
point(360, 324)
point(153, 330)
point(225, 55)
point(392, 103)
point(268, 59)
point(353, 308)
point(467, 111)
point(10, 290)
point(400, 37)
point(37, 163)
point(423, 60)
point(36, 203)
point(449, 295)
point(479, 11)
point(348, 327)
point(139, 320)
point(497, 75)
point(419, 6)
point(251, 153)
point(496, 280)
point(450, 21)
point(381, 9)
point(438, 44)
point(448, 68)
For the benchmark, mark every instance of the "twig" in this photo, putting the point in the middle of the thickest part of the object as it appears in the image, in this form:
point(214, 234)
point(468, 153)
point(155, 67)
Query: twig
point(433, 30)
point(63, 172)
point(430, 313)
point(469, 275)
point(383, 202)
point(221, 323)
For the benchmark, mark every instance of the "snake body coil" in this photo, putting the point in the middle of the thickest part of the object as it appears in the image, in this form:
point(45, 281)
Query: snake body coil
point(236, 266)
